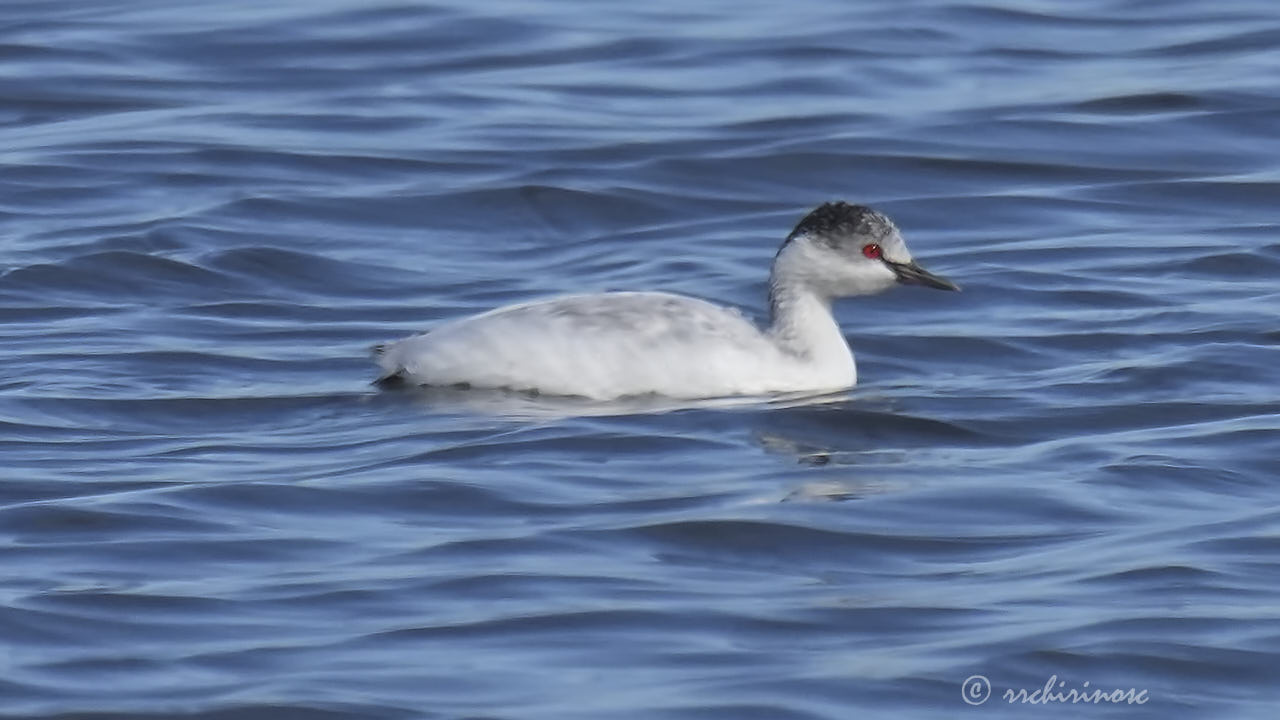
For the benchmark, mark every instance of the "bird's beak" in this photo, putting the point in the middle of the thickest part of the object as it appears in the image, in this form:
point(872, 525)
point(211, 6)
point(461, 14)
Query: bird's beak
point(909, 273)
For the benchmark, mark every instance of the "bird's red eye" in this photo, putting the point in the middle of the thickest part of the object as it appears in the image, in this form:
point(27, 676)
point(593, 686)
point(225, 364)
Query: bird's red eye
point(872, 251)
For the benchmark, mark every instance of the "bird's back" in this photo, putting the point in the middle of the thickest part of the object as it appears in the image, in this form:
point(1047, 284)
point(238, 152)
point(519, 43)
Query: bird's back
point(602, 346)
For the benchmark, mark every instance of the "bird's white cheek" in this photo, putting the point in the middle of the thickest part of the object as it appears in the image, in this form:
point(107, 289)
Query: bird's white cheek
point(865, 278)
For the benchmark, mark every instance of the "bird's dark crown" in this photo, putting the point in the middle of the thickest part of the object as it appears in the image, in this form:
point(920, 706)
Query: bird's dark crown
point(836, 221)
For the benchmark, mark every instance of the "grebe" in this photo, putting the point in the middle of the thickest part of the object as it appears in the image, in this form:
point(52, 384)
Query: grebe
point(618, 344)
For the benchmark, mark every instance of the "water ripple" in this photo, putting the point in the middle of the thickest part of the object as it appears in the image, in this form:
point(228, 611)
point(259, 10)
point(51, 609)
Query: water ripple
point(210, 215)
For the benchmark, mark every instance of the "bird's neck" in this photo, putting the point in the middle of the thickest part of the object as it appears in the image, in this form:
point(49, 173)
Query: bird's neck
point(801, 324)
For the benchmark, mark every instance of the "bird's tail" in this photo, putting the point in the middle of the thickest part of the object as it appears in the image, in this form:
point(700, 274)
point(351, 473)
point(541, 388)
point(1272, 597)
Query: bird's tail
point(392, 375)
point(394, 380)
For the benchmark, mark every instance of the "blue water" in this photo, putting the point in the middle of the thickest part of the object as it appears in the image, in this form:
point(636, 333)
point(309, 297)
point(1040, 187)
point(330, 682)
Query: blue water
point(209, 212)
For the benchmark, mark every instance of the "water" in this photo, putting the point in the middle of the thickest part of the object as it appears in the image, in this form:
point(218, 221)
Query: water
point(207, 215)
